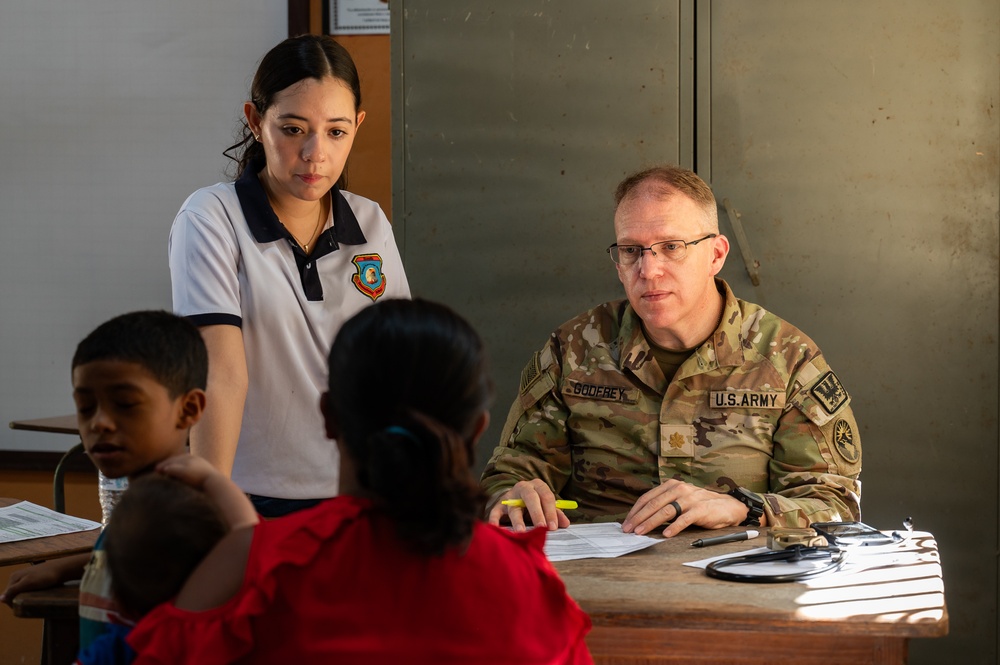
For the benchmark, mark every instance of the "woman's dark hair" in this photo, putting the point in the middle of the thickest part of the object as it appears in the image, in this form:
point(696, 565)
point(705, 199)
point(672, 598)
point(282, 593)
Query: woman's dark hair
point(408, 383)
point(291, 61)
point(157, 535)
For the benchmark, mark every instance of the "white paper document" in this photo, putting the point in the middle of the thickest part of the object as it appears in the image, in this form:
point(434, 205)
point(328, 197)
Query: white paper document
point(593, 541)
point(25, 520)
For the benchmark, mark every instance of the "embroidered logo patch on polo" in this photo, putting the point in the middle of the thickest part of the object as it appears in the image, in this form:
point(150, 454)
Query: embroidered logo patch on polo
point(829, 393)
point(843, 436)
point(369, 278)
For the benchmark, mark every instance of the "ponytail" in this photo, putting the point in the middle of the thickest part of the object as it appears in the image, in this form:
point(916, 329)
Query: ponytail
point(421, 480)
point(412, 446)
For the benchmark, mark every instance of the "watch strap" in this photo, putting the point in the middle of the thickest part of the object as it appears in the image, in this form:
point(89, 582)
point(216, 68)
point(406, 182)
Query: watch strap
point(754, 504)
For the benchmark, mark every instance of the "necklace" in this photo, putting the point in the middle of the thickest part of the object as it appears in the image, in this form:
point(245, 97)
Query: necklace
point(277, 212)
point(315, 232)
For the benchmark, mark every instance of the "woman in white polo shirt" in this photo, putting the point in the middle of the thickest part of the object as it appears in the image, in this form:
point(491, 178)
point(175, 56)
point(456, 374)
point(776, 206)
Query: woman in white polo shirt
point(271, 265)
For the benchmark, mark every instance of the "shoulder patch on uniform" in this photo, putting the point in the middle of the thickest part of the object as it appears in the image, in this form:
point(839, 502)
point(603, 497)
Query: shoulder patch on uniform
point(829, 392)
point(530, 373)
point(843, 438)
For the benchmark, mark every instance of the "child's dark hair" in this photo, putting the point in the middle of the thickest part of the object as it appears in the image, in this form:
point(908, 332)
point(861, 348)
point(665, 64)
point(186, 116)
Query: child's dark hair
point(167, 346)
point(291, 61)
point(156, 536)
point(408, 383)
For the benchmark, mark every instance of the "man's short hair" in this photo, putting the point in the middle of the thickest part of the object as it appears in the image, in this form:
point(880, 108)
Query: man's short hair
point(167, 346)
point(666, 180)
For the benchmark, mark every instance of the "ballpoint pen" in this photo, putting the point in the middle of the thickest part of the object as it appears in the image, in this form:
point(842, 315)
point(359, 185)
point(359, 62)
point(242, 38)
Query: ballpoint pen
point(561, 505)
point(728, 538)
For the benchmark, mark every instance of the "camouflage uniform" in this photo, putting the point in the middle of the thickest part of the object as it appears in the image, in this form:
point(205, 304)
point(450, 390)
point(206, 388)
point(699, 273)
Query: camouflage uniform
point(755, 406)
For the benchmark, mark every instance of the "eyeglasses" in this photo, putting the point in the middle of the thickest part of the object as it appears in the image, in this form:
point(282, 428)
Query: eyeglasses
point(668, 250)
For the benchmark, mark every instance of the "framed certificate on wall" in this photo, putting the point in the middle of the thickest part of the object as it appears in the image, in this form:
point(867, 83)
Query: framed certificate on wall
point(359, 17)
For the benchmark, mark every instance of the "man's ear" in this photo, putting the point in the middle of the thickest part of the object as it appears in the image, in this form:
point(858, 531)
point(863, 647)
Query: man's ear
point(192, 407)
point(720, 250)
point(329, 422)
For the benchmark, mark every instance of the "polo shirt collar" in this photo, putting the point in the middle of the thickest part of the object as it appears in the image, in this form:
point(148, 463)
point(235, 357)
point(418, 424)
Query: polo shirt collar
point(264, 224)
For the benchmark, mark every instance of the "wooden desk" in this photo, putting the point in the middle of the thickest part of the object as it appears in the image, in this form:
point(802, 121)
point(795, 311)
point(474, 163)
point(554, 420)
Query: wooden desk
point(54, 425)
point(648, 608)
point(57, 606)
point(49, 547)
point(73, 459)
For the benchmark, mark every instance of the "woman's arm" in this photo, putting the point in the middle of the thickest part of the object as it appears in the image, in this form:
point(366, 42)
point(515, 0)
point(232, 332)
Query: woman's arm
point(216, 434)
point(220, 574)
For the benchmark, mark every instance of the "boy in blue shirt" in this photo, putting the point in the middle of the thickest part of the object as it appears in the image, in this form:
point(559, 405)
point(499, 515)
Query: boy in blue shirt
point(139, 386)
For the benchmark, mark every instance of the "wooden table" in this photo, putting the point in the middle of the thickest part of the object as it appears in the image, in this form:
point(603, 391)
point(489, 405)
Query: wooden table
point(648, 608)
point(57, 606)
point(36, 550)
point(54, 425)
point(58, 425)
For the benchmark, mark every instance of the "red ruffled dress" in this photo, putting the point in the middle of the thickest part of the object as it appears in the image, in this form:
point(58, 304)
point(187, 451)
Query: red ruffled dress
point(333, 584)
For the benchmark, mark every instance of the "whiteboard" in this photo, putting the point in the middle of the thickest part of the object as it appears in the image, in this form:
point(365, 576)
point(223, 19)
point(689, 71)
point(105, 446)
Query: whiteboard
point(111, 114)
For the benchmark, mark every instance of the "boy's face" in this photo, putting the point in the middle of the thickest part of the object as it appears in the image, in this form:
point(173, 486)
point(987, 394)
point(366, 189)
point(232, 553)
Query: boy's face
point(128, 421)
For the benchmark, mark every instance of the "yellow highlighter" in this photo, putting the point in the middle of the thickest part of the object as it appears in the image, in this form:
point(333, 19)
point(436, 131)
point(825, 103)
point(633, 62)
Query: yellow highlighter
point(561, 505)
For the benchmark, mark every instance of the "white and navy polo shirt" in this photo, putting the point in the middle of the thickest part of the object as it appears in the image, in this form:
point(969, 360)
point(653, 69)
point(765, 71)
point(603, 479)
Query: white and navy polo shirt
point(232, 262)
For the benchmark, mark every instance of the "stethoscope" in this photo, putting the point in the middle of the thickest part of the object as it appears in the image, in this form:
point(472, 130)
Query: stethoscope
point(835, 555)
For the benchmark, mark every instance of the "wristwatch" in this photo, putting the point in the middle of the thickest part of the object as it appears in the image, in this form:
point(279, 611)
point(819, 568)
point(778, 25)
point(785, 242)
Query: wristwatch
point(753, 502)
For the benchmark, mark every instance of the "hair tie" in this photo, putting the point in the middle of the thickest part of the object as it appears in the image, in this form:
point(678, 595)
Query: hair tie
point(403, 432)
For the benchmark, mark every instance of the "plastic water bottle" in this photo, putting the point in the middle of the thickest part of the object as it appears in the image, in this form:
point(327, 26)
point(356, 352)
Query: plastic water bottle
point(110, 491)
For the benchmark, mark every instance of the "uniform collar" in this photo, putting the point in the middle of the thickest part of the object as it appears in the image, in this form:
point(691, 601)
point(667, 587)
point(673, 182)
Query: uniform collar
point(264, 224)
point(729, 339)
point(724, 348)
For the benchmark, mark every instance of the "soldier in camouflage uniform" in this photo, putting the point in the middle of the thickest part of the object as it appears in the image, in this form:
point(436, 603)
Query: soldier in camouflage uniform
point(654, 409)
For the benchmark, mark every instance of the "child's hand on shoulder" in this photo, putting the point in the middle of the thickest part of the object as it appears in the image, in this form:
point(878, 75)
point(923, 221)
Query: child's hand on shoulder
point(189, 469)
point(199, 473)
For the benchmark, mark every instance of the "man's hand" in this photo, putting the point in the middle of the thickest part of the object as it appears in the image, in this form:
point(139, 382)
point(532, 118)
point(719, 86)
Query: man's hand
point(539, 502)
point(700, 507)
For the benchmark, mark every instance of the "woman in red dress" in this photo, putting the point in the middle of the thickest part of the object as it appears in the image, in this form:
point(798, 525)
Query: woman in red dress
point(400, 567)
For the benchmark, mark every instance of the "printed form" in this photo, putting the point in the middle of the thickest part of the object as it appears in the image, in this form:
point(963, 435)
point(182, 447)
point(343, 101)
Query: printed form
point(593, 541)
point(25, 520)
